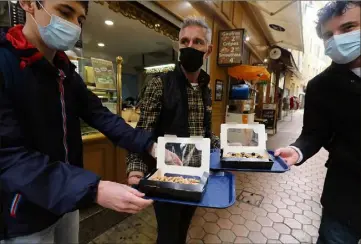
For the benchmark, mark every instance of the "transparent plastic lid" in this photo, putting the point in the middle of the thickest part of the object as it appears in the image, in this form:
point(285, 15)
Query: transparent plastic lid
point(180, 155)
point(243, 138)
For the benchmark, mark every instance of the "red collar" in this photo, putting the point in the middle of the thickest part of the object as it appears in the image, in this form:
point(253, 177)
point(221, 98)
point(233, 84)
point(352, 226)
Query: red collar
point(28, 53)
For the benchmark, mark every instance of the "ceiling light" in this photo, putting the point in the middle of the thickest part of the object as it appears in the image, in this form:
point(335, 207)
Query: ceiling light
point(157, 25)
point(14, 2)
point(109, 22)
point(160, 66)
point(277, 27)
point(101, 44)
point(247, 38)
point(265, 60)
point(187, 4)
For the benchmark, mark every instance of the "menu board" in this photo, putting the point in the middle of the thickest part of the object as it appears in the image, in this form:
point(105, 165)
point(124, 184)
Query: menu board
point(103, 73)
point(230, 47)
point(269, 113)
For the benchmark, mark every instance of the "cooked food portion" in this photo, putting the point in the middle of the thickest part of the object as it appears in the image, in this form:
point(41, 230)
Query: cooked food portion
point(244, 155)
point(178, 179)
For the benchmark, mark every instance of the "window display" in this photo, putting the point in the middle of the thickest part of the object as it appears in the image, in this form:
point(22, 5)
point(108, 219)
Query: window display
point(99, 77)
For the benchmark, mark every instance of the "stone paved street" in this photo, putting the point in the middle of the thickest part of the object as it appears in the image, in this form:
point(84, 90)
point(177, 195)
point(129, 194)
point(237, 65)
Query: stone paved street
point(284, 208)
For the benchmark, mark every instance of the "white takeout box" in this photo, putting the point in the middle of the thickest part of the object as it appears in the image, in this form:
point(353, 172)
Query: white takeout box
point(201, 143)
point(257, 128)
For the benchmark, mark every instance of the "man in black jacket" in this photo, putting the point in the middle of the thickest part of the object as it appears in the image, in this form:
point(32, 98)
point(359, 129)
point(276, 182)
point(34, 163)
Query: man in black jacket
point(332, 120)
point(177, 103)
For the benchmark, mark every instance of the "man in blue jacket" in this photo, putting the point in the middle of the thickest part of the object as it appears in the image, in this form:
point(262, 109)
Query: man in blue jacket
point(41, 100)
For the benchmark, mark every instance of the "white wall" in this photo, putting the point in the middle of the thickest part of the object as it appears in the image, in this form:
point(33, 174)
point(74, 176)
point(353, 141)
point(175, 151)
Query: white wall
point(314, 61)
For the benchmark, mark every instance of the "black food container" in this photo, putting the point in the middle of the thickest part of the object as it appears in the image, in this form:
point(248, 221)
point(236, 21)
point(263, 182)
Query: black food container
point(246, 163)
point(174, 191)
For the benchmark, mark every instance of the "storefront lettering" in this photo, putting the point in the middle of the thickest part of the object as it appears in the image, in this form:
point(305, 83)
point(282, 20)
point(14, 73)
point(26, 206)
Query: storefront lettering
point(231, 34)
point(230, 44)
point(229, 55)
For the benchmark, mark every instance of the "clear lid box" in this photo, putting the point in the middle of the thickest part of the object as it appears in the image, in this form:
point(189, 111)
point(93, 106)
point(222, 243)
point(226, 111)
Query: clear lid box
point(243, 146)
point(185, 181)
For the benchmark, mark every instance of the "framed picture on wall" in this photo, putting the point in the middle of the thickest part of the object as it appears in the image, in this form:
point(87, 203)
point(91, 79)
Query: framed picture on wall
point(218, 90)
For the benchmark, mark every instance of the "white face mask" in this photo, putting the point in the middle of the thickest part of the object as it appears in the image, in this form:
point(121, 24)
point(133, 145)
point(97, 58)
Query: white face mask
point(343, 48)
point(60, 34)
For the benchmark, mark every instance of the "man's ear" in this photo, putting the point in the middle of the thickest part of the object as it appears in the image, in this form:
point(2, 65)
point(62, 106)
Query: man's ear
point(209, 51)
point(28, 6)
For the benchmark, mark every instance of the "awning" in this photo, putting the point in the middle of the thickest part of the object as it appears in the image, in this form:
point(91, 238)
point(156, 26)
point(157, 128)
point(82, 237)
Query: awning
point(249, 73)
point(281, 22)
point(289, 61)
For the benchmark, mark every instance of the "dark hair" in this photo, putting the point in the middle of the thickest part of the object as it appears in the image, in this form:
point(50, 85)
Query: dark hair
point(332, 9)
point(85, 5)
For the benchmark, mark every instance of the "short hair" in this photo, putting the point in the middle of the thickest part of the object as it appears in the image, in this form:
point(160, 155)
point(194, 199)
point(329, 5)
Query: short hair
point(198, 21)
point(85, 5)
point(333, 9)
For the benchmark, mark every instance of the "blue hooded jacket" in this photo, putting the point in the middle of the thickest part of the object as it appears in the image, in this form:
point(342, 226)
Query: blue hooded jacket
point(41, 174)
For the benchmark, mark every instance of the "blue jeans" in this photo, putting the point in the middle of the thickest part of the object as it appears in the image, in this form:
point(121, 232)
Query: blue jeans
point(64, 231)
point(333, 232)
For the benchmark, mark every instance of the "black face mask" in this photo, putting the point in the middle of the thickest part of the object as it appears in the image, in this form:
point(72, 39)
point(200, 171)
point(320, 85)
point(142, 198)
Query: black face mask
point(191, 59)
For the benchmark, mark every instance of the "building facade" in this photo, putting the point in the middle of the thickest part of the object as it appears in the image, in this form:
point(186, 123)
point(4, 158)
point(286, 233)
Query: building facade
point(312, 60)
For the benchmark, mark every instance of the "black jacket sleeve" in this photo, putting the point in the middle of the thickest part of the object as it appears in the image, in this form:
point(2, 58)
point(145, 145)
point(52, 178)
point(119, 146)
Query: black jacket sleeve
point(111, 125)
point(316, 130)
point(55, 186)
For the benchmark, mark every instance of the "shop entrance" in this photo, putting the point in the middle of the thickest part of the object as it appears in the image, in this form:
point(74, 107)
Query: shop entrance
point(124, 44)
point(142, 39)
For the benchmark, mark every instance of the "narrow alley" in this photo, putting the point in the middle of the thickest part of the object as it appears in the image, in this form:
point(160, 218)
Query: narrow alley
point(270, 208)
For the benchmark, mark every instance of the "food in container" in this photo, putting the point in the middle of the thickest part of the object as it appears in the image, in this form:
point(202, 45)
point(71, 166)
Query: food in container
point(244, 155)
point(177, 179)
point(174, 182)
point(244, 147)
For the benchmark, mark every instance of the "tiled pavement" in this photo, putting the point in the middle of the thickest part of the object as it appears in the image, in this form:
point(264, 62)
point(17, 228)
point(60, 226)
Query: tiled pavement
point(288, 212)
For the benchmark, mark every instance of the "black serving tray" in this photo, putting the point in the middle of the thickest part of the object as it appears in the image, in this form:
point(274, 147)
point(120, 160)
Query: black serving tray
point(175, 191)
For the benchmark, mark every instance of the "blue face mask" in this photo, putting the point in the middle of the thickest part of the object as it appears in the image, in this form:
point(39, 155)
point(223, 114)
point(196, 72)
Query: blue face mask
point(60, 34)
point(344, 48)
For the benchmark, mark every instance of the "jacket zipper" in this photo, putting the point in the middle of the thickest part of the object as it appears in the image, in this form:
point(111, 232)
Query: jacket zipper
point(63, 111)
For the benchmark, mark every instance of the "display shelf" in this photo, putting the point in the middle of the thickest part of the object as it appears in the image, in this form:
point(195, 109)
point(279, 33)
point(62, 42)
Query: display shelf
point(103, 80)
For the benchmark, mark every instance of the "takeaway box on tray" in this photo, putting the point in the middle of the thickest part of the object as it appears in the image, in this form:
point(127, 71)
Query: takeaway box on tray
point(244, 147)
point(179, 182)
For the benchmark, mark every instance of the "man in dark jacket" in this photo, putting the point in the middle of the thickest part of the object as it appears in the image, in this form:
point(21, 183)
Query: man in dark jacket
point(177, 103)
point(332, 120)
point(41, 100)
